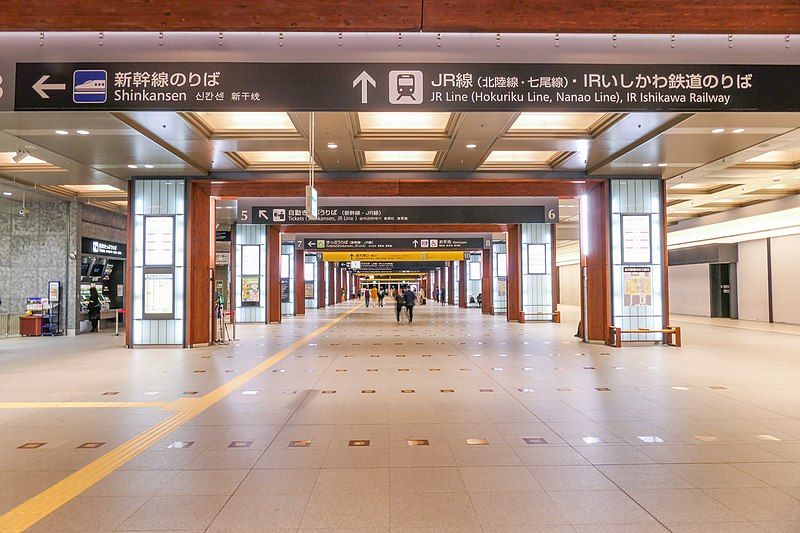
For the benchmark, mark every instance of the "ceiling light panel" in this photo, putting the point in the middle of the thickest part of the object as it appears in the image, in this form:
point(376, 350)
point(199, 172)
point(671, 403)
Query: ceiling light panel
point(98, 187)
point(398, 156)
point(241, 124)
point(29, 162)
point(403, 121)
point(555, 121)
point(777, 157)
point(271, 159)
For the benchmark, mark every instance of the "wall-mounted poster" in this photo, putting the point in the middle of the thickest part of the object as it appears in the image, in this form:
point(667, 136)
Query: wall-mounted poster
point(285, 265)
point(638, 287)
point(636, 239)
point(159, 241)
point(309, 290)
point(501, 287)
point(251, 260)
point(251, 291)
point(537, 259)
point(222, 258)
point(159, 294)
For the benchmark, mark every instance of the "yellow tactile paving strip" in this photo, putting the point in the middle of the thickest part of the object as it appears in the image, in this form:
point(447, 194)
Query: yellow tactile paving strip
point(31, 511)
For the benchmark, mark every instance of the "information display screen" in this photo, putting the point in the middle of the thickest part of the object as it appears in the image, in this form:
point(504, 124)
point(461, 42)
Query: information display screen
point(537, 259)
point(159, 241)
point(159, 294)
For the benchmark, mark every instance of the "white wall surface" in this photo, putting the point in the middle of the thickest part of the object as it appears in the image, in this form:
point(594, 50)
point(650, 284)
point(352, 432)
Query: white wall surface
point(569, 284)
point(689, 290)
point(786, 279)
point(752, 282)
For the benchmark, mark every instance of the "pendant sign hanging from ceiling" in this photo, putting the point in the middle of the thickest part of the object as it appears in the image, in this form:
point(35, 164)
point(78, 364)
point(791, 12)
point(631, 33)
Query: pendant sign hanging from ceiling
point(261, 211)
point(219, 86)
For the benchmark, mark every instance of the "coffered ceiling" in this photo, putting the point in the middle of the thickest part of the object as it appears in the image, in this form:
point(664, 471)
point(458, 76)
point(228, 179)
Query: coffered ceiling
point(711, 162)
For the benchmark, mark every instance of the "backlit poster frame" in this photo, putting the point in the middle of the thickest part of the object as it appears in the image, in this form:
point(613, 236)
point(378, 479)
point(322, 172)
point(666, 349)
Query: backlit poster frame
point(148, 262)
point(251, 257)
point(537, 251)
point(474, 269)
point(147, 293)
point(628, 240)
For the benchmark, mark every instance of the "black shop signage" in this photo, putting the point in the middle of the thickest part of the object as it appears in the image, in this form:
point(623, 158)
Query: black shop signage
point(104, 248)
point(259, 211)
point(421, 242)
point(216, 86)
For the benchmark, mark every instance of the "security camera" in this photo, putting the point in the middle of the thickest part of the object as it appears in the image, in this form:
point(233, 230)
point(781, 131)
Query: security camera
point(20, 156)
point(24, 212)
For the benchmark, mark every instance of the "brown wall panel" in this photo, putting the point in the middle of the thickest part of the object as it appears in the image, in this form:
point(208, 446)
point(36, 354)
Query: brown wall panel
point(597, 265)
point(321, 285)
point(299, 283)
point(200, 258)
point(543, 16)
point(513, 282)
point(487, 298)
point(273, 274)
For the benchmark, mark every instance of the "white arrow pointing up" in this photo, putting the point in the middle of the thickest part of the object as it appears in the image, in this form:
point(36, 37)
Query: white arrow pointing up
point(415, 242)
point(40, 86)
point(364, 79)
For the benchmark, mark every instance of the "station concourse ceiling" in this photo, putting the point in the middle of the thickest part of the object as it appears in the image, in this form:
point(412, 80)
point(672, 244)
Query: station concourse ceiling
point(711, 162)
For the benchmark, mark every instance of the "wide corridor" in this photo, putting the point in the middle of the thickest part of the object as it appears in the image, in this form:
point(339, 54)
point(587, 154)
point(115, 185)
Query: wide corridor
point(344, 419)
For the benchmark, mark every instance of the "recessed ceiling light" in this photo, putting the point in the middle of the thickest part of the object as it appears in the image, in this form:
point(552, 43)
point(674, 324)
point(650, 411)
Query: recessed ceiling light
point(717, 130)
point(471, 146)
point(662, 165)
point(82, 132)
point(133, 166)
point(333, 145)
point(61, 132)
point(647, 164)
point(776, 178)
point(6, 193)
point(738, 130)
point(149, 166)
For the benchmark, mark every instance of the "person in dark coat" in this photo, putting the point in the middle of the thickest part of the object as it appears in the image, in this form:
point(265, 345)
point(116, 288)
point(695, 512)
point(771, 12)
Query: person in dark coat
point(94, 308)
point(400, 302)
point(410, 298)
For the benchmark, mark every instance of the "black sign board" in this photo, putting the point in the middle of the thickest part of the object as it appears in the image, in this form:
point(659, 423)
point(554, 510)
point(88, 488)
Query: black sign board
point(101, 247)
point(412, 243)
point(258, 211)
point(217, 86)
point(394, 266)
point(223, 236)
point(285, 290)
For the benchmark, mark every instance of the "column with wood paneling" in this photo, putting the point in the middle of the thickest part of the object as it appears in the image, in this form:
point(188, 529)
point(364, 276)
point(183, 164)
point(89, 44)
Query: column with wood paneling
point(451, 283)
point(299, 282)
point(320, 283)
point(331, 283)
point(200, 261)
point(486, 282)
point(595, 264)
point(273, 274)
point(462, 284)
point(513, 281)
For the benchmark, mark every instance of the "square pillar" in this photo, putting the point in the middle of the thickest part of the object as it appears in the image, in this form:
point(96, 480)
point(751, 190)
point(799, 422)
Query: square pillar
point(321, 288)
point(487, 289)
point(273, 274)
point(451, 283)
point(462, 284)
point(513, 282)
point(299, 282)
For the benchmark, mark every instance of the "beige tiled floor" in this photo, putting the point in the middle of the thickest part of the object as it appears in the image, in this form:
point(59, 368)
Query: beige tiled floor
point(660, 451)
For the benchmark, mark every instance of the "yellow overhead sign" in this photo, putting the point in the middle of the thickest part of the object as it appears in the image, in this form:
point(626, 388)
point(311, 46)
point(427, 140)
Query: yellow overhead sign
point(392, 256)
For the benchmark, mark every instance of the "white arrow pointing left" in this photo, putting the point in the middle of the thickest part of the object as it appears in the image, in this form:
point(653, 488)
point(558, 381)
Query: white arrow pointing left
point(40, 86)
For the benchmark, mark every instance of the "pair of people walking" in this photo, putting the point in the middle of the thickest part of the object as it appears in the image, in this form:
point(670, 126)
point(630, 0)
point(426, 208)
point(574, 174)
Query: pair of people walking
point(405, 298)
point(374, 294)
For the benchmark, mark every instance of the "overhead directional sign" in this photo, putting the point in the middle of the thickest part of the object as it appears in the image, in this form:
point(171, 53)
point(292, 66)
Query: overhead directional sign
point(392, 256)
point(259, 211)
point(220, 86)
point(421, 242)
point(393, 266)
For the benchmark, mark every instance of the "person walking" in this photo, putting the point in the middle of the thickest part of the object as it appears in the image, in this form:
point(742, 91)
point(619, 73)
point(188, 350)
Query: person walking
point(410, 298)
point(381, 296)
point(400, 302)
point(373, 293)
point(367, 294)
point(94, 308)
point(442, 298)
